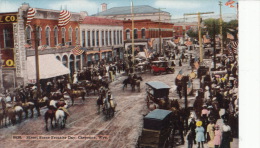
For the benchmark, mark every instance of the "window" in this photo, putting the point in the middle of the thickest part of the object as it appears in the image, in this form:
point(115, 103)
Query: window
point(97, 38)
point(83, 39)
point(102, 38)
point(117, 37)
point(106, 38)
point(47, 36)
point(93, 38)
point(28, 35)
point(88, 38)
point(114, 37)
point(121, 40)
point(63, 35)
point(70, 36)
point(38, 35)
point(110, 37)
point(77, 35)
point(8, 38)
point(143, 33)
point(128, 34)
point(56, 36)
point(135, 34)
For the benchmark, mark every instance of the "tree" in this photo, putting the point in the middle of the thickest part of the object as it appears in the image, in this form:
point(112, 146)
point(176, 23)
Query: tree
point(192, 33)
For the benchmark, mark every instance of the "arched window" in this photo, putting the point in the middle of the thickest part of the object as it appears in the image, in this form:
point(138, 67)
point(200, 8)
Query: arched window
point(83, 39)
point(128, 34)
point(117, 37)
point(63, 36)
point(135, 34)
point(65, 60)
point(70, 35)
point(106, 37)
point(28, 35)
point(47, 36)
point(143, 33)
point(114, 37)
point(121, 40)
point(110, 37)
point(97, 38)
point(102, 38)
point(56, 36)
point(93, 38)
point(77, 35)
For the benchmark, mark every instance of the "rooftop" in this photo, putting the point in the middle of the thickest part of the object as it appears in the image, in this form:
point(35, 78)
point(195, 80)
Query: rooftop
point(127, 10)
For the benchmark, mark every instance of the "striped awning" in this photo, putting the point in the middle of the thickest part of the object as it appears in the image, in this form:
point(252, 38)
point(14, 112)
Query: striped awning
point(64, 18)
point(30, 14)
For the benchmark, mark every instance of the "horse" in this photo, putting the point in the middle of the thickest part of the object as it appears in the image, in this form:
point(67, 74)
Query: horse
point(49, 114)
point(109, 108)
point(125, 82)
point(60, 118)
point(136, 82)
point(76, 93)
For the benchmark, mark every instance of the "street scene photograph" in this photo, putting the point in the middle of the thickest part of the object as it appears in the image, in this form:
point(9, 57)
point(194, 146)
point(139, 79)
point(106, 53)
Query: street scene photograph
point(119, 74)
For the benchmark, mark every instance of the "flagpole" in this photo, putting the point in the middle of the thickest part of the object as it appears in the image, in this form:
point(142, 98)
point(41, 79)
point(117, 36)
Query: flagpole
point(132, 34)
point(220, 27)
point(37, 60)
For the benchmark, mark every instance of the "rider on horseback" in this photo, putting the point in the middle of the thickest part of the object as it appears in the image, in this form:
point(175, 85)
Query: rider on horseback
point(60, 105)
point(107, 100)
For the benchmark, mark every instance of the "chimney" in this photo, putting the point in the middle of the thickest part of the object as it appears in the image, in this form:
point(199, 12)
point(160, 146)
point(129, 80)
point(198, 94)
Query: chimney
point(103, 7)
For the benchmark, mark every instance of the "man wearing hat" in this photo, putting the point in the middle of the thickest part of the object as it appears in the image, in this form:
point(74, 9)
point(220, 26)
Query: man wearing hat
point(35, 99)
point(61, 105)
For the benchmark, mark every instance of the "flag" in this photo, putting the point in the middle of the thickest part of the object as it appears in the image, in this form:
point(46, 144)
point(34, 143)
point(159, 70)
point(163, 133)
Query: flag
point(59, 46)
point(42, 47)
point(30, 15)
point(231, 6)
point(179, 76)
point(229, 2)
point(64, 18)
point(77, 50)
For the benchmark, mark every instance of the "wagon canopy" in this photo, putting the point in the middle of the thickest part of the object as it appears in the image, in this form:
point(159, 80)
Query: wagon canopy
point(158, 85)
point(157, 119)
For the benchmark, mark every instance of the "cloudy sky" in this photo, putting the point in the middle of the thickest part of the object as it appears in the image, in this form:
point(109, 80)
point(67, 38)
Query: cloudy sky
point(176, 7)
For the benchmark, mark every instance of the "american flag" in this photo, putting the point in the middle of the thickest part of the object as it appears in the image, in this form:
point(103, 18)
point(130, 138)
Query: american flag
point(42, 47)
point(30, 15)
point(229, 2)
point(179, 76)
point(26, 45)
point(77, 50)
point(64, 18)
point(59, 46)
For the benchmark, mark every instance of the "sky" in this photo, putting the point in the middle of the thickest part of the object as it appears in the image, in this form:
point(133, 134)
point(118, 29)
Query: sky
point(176, 7)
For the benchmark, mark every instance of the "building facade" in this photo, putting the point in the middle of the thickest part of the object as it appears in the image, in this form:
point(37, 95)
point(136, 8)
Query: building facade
point(103, 38)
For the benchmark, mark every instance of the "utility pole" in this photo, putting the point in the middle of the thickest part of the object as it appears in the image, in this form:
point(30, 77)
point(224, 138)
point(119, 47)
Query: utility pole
point(36, 41)
point(199, 29)
point(160, 31)
point(220, 27)
point(214, 43)
point(133, 46)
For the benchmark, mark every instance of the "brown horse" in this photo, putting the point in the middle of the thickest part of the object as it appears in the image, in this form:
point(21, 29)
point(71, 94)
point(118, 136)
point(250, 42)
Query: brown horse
point(49, 114)
point(76, 93)
point(136, 83)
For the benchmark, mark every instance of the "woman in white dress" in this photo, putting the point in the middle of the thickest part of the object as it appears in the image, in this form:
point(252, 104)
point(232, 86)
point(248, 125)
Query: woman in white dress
point(75, 78)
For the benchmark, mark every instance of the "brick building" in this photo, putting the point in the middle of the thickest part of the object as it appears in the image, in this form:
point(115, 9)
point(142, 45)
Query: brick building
point(144, 30)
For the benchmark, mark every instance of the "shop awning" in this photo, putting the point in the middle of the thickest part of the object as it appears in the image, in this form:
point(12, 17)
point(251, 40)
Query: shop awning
point(49, 67)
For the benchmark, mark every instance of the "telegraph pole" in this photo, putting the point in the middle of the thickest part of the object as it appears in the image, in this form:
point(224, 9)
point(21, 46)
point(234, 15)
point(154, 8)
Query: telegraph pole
point(220, 27)
point(160, 32)
point(36, 41)
point(133, 46)
point(199, 30)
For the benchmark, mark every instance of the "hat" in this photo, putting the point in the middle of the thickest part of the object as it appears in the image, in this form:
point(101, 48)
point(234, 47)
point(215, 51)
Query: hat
point(34, 87)
point(204, 105)
point(198, 123)
point(61, 99)
point(210, 106)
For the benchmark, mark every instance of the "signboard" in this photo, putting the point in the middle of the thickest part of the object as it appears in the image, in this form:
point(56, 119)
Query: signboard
point(8, 58)
point(8, 18)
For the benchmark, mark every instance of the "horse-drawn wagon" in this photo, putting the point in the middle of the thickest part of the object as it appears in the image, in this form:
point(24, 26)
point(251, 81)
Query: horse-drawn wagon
point(157, 92)
point(157, 130)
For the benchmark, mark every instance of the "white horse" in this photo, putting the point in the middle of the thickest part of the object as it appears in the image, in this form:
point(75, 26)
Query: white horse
point(60, 118)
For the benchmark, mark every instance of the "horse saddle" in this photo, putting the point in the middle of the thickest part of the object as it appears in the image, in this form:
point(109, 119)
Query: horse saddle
point(41, 101)
point(25, 104)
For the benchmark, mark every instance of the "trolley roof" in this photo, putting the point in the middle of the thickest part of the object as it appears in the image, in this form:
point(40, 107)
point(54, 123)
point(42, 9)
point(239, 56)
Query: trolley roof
point(158, 85)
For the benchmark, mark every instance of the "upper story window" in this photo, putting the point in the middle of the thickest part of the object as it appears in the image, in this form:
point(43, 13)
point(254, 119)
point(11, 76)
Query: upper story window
point(83, 39)
point(47, 36)
point(63, 36)
point(114, 37)
point(110, 37)
point(8, 38)
point(128, 34)
point(135, 34)
point(97, 38)
point(121, 39)
point(77, 35)
point(88, 38)
point(70, 35)
point(28, 35)
point(56, 36)
point(102, 38)
point(143, 33)
point(93, 38)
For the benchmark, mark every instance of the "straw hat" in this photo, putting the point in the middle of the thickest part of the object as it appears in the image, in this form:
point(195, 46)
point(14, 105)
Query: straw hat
point(198, 123)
